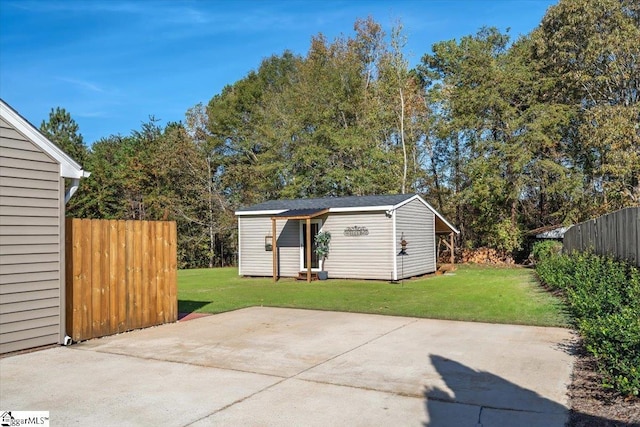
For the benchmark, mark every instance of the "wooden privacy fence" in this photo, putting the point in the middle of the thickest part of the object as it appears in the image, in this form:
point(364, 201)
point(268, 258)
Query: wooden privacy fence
point(120, 275)
point(616, 234)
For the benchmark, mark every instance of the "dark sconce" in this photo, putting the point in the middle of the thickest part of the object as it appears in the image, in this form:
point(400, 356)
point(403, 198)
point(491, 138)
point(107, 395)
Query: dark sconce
point(268, 243)
point(403, 245)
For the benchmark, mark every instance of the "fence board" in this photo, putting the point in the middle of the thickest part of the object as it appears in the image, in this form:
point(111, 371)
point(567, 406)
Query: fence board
point(113, 281)
point(172, 261)
point(144, 272)
point(153, 282)
point(616, 234)
point(130, 296)
point(85, 277)
point(137, 274)
point(160, 272)
point(636, 221)
point(121, 275)
point(105, 264)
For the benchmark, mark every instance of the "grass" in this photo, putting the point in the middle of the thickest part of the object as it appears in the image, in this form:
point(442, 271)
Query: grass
point(472, 293)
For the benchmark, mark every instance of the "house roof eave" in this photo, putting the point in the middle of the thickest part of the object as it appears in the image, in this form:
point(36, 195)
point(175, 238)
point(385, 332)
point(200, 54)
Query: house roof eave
point(69, 168)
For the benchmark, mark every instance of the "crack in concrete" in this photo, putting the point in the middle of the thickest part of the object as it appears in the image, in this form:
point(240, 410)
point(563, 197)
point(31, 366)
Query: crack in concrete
point(200, 365)
point(497, 408)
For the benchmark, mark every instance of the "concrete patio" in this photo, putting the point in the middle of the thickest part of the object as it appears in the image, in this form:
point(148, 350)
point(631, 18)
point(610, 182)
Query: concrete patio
point(271, 366)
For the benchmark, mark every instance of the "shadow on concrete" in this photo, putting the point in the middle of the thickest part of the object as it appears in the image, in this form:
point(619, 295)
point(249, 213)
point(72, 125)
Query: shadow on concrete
point(488, 400)
point(186, 307)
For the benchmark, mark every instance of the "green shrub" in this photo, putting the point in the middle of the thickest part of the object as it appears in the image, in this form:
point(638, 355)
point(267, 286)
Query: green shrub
point(615, 342)
point(546, 249)
point(603, 296)
point(556, 271)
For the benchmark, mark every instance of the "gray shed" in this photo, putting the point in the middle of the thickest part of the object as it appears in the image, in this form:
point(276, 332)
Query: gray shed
point(32, 250)
point(366, 232)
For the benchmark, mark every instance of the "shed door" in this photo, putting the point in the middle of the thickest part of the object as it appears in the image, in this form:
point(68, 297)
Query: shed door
point(315, 227)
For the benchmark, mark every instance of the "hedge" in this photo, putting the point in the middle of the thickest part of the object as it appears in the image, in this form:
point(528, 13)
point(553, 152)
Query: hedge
point(603, 297)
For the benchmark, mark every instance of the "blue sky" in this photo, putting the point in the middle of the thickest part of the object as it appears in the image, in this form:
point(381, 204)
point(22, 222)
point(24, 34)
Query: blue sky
point(112, 64)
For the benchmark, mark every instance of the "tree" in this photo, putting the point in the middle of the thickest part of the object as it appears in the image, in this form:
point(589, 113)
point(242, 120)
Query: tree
point(63, 131)
point(505, 139)
point(242, 134)
point(403, 95)
point(589, 52)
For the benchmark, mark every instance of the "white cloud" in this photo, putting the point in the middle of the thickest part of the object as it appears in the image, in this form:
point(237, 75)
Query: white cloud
point(83, 84)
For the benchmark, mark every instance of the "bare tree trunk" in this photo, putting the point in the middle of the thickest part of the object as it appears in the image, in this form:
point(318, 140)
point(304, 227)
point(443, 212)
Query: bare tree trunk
point(434, 172)
point(221, 252)
point(404, 147)
point(212, 242)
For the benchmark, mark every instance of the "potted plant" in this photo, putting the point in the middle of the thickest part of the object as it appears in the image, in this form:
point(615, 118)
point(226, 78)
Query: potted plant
point(322, 241)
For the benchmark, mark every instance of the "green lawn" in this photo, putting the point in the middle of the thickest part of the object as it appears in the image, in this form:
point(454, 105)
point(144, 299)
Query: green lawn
point(472, 293)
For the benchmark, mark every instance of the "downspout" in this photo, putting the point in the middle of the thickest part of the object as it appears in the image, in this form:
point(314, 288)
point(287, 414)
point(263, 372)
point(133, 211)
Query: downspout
point(394, 247)
point(68, 194)
point(64, 339)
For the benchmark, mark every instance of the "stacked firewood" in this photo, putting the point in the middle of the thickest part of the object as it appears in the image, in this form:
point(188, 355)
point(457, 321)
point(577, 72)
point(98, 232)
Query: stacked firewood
point(477, 256)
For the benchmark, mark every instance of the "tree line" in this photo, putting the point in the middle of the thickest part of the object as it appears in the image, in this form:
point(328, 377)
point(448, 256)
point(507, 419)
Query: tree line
point(501, 136)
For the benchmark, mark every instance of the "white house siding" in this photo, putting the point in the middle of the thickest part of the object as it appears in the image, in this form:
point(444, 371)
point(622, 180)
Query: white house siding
point(254, 260)
point(417, 222)
point(362, 257)
point(31, 250)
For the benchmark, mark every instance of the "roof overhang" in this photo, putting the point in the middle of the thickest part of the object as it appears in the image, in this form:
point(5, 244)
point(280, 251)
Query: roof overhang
point(300, 214)
point(68, 167)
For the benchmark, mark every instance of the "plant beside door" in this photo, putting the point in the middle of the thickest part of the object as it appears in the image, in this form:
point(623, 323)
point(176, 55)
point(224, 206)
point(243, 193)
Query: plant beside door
point(322, 240)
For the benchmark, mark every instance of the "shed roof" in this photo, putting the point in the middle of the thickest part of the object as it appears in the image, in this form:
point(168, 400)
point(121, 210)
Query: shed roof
point(387, 202)
point(557, 233)
point(330, 202)
point(549, 232)
point(68, 167)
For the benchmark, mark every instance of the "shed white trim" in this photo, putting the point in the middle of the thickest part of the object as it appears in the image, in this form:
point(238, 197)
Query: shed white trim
point(362, 209)
point(263, 212)
point(68, 167)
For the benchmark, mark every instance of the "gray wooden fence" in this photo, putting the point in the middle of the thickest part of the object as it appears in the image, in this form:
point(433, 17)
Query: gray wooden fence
point(616, 234)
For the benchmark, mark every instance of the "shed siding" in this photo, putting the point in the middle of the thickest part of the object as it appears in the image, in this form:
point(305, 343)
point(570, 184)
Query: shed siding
point(417, 222)
point(254, 260)
point(30, 244)
point(361, 257)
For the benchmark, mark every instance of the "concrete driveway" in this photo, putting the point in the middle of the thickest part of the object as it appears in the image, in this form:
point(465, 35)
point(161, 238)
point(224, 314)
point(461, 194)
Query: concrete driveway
point(271, 366)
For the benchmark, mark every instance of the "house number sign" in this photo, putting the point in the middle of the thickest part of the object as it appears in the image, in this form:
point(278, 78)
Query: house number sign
point(356, 231)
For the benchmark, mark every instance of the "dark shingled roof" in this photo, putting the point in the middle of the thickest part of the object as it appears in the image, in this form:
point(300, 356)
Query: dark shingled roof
point(329, 202)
